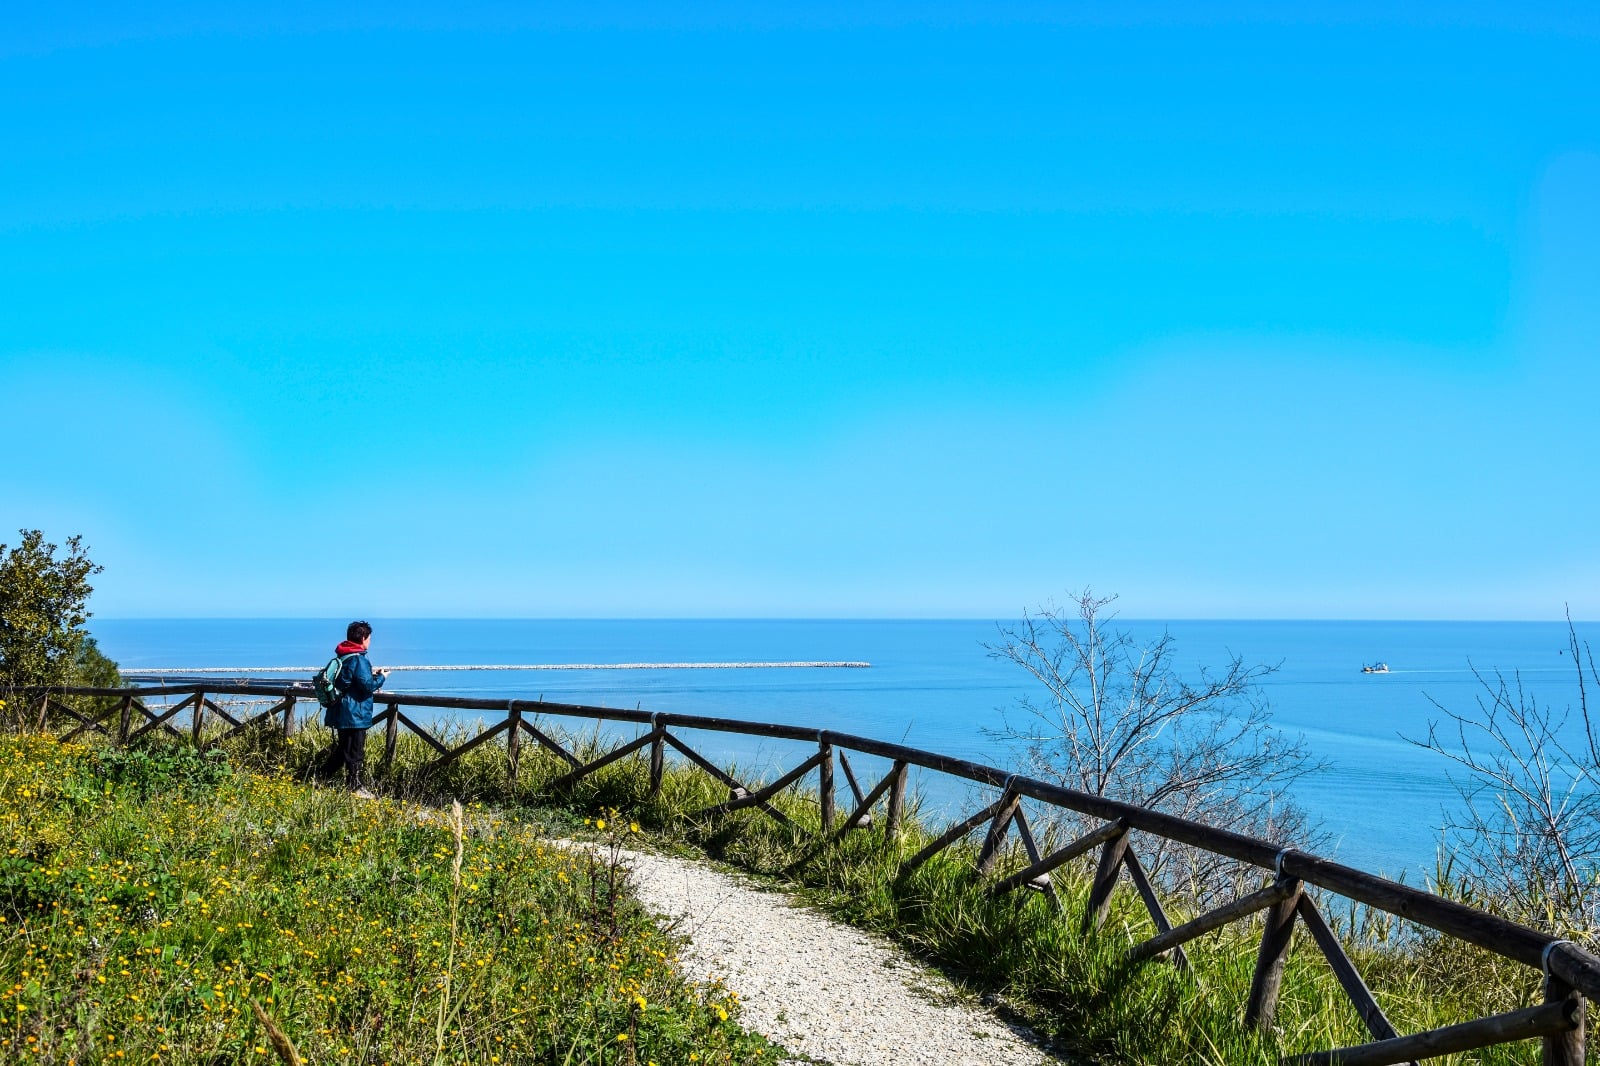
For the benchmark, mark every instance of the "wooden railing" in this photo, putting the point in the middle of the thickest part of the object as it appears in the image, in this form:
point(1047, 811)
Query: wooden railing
point(1571, 975)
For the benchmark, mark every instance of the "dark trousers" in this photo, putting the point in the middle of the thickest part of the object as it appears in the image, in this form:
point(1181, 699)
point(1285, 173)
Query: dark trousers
point(350, 752)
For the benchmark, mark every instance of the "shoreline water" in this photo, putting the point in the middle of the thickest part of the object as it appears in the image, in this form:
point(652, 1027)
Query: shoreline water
point(933, 686)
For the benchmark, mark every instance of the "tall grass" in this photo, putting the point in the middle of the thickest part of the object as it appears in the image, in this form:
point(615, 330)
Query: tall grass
point(1032, 959)
point(1018, 951)
point(159, 905)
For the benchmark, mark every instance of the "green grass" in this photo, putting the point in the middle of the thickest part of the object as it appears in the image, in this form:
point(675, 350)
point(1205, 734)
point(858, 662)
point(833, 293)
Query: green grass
point(1018, 950)
point(154, 901)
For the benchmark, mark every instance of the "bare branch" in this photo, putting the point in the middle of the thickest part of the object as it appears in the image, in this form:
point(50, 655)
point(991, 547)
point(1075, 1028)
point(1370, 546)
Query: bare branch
point(1116, 717)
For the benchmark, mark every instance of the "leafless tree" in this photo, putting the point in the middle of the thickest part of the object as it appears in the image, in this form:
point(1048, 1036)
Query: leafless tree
point(1526, 841)
point(1117, 718)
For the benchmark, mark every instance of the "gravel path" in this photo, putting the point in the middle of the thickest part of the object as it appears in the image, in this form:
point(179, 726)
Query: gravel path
point(821, 989)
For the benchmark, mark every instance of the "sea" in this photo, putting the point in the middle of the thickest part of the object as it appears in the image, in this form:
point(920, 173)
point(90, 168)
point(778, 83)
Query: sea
point(935, 685)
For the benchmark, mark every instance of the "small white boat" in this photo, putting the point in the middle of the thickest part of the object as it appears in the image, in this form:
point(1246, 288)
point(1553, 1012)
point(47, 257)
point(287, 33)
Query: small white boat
point(1376, 668)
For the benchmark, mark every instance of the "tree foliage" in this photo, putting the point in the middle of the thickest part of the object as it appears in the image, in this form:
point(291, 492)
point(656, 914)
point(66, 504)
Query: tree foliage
point(43, 607)
point(1115, 717)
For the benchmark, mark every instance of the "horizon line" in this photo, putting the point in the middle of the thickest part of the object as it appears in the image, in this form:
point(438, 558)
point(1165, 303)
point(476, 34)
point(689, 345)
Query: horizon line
point(811, 618)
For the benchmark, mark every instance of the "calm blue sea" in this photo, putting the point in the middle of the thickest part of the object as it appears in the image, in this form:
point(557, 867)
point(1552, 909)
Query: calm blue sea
point(931, 684)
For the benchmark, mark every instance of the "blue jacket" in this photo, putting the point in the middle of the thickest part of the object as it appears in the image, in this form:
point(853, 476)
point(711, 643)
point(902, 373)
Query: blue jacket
point(357, 682)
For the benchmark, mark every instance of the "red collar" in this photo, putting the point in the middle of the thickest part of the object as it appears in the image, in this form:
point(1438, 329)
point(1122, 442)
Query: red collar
point(349, 647)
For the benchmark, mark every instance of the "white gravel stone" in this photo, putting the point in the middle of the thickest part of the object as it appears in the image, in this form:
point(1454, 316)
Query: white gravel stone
point(824, 990)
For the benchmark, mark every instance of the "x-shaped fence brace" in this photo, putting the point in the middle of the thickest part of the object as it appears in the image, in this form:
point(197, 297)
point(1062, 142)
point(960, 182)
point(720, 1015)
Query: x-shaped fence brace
point(1568, 971)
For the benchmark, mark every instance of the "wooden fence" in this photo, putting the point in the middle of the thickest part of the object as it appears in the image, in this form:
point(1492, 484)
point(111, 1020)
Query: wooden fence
point(1570, 975)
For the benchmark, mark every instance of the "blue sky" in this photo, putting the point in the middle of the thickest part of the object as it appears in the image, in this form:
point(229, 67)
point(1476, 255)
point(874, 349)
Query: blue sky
point(850, 310)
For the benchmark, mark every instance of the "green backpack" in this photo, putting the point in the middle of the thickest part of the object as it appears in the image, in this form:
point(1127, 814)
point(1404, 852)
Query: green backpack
point(325, 682)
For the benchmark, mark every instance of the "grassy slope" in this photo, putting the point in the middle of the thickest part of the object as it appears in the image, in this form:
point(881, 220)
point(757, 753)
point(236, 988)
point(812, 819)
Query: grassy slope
point(149, 901)
point(1076, 988)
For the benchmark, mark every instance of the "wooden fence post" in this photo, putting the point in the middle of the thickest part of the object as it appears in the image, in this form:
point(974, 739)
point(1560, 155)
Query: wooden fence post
point(513, 743)
point(197, 718)
point(992, 840)
point(897, 803)
point(1105, 879)
point(289, 724)
point(1276, 935)
point(825, 784)
point(391, 736)
point(124, 720)
point(1564, 1049)
point(658, 755)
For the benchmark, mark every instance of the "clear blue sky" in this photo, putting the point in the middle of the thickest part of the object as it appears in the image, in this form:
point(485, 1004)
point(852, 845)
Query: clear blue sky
point(916, 310)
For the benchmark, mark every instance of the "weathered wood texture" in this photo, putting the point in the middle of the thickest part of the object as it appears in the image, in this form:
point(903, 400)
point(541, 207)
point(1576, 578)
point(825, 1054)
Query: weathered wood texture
point(1082, 846)
point(1105, 880)
point(1349, 979)
point(950, 836)
point(1547, 1019)
point(1242, 907)
point(1564, 1047)
point(990, 853)
point(897, 801)
point(1147, 892)
point(825, 793)
point(1277, 933)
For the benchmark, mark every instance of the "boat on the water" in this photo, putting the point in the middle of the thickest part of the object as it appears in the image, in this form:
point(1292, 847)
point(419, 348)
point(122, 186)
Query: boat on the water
point(1376, 668)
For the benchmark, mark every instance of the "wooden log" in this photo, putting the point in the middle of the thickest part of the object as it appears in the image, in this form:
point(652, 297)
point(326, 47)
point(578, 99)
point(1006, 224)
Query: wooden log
point(1277, 933)
point(513, 744)
point(421, 732)
point(1349, 977)
point(290, 725)
point(125, 719)
point(989, 854)
point(1242, 907)
point(1082, 846)
point(138, 691)
point(1105, 881)
point(1564, 1048)
point(574, 776)
point(721, 775)
point(1547, 1019)
point(850, 777)
point(945, 764)
point(391, 736)
point(897, 802)
point(1148, 893)
point(1574, 965)
point(658, 759)
point(1039, 882)
point(482, 738)
point(549, 743)
point(181, 705)
point(825, 796)
point(774, 730)
point(159, 721)
point(751, 799)
point(247, 723)
point(87, 723)
point(224, 715)
point(948, 837)
point(862, 815)
point(197, 717)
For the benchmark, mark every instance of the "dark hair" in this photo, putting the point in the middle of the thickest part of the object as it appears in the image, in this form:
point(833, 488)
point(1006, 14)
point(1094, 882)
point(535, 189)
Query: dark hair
point(358, 631)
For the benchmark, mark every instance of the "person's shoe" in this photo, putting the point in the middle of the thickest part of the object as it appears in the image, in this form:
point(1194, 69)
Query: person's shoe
point(363, 794)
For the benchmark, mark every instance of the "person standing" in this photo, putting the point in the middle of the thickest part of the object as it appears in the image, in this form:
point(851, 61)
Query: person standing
point(351, 712)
